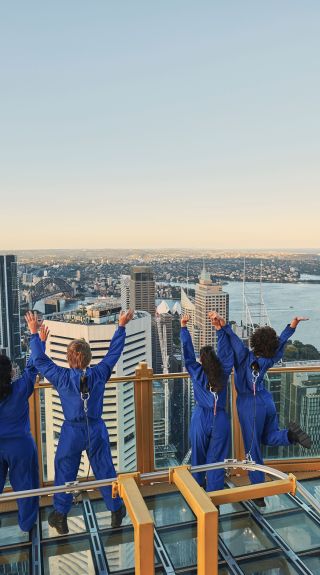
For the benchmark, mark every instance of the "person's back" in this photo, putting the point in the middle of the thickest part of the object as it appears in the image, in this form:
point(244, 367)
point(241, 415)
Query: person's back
point(14, 411)
point(256, 409)
point(18, 452)
point(81, 390)
point(210, 425)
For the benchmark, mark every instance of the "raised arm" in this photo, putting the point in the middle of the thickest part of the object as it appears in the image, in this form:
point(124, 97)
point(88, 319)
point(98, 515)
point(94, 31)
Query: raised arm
point(105, 367)
point(284, 336)
point(225, 351)
point(239, 349)
point(187, 345)
point(30, 372)
point(55, 374)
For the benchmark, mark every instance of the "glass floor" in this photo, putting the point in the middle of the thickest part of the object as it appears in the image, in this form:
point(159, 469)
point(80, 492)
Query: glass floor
point(281, 539)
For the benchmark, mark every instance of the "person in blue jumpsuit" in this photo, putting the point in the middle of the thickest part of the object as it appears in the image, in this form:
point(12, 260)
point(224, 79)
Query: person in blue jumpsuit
point(210, 425)
point(256, 409)
point(81, 390)
point(18, 452)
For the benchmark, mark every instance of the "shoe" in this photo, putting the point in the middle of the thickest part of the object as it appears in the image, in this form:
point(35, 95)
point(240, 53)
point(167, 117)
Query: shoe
point(260, 502)
point(59, 521)
point(297, 435)
point(117, 516)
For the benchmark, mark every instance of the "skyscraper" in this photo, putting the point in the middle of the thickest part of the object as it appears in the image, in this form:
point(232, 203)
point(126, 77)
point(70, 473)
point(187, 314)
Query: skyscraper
point(125, 292)
point(10, 337)
point(300, 402)
point(208, 297)
point(142, 289)
point(163, 350)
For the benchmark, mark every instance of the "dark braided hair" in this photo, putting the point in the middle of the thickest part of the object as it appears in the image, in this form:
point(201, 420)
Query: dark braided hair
point(212, 368)
point(5, 377)
point(264, 342)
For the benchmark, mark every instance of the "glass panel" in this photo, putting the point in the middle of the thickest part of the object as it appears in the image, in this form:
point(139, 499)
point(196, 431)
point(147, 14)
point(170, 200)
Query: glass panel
point(10, 532)
point(169, 509)
point(232, 508)
point(313, 486)
point(103, 516)
point(273, 565)
point(313, 563)
point(172, 407)
point(223, 571)
point(118, 414)
point(181, 546)
point(278, 503)
point(15, 561)
point(296, 396)
point(119, 549)
point(72, 556)
point(76, 522)
point(298, 530)
point(242, 535)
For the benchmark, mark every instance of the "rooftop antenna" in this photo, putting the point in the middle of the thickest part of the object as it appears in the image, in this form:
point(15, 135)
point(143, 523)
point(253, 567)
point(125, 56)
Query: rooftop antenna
point(261, 296)
point(244, 292)
point(187, 279)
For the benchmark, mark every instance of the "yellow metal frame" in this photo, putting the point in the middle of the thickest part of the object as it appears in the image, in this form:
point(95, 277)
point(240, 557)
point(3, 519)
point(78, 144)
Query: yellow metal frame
point(207, 519)
point(143, 396)
point(237, 494)
point(127, 487)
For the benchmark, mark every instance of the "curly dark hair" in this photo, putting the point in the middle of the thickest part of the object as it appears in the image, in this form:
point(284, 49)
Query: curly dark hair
point(5, 377)
point(264, 342)
point(212, 368)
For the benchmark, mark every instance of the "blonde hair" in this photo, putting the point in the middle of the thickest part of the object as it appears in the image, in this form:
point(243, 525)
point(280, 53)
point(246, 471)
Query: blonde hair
point(79, 354)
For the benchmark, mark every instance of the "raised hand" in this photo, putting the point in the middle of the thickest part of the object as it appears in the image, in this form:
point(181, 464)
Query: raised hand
point(184, 320)
point(296, 321)
point(216, 320)
point(125, 317)
point(32, 321)
point(44, 332)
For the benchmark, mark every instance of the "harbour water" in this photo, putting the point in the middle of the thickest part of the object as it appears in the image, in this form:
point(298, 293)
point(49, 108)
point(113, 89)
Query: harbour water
point(283, 302)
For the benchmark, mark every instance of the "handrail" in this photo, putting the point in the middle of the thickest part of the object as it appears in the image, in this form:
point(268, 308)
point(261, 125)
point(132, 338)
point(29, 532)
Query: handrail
point(184, 375)
point(88, 485)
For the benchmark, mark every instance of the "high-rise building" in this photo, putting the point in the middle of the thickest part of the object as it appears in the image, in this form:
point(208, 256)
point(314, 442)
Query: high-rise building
point(125, 292)
point(163, 349)
point(142, 289)
point(162, 358)
point(10, 335)
point(300, 402)
point(118, 410)
point(208, 297)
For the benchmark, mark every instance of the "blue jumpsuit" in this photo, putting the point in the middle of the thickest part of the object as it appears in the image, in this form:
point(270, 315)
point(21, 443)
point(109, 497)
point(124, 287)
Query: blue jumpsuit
point(256, 409)
point(76, 436)
point(18, 451)
point(210, 425)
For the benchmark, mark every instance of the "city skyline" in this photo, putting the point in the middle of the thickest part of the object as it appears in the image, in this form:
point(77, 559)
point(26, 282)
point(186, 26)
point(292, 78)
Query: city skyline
point(204, 116)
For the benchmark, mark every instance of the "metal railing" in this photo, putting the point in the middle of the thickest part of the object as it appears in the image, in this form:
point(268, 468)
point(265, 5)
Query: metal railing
point(144, 426)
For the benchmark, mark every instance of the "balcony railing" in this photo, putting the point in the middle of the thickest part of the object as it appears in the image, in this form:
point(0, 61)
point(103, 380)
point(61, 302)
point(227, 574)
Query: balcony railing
point(160, 414)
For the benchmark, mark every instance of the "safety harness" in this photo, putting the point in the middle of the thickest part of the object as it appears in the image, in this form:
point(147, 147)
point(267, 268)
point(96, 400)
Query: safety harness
point(85, 396)
point(255, 376)
point(216, 397)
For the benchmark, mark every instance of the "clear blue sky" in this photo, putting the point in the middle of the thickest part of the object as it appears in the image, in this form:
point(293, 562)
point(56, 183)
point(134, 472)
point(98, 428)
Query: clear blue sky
point(159, 123)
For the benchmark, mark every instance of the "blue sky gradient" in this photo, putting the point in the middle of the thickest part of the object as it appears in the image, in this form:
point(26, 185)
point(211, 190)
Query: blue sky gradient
point(159, 124)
